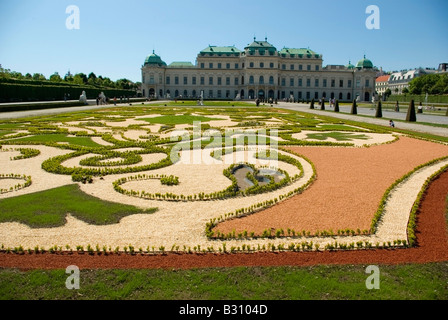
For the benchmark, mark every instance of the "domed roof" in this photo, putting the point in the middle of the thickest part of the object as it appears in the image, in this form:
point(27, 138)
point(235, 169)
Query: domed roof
point(154, 60)
point(364, 64)
point(350, 66)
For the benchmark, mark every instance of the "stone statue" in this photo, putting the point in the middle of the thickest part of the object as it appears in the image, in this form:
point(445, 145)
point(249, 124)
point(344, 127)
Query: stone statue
point(83, 98)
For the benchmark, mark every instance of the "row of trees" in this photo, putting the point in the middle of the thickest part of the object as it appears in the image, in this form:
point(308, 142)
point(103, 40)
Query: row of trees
point(80, 78)
point(430, 83)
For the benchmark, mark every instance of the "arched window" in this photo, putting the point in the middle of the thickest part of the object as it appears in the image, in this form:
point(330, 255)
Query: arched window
point(261, 80)
point(176, 93)
point(341, 96)
point(185, 93)
point(251, 80)
point(271, 80)
point(349, 96)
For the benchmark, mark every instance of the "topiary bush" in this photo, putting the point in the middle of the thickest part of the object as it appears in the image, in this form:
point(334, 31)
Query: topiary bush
point(411, 116)
point(312, 104)
point(336, 107)
point(379, 110)
point(354, 107)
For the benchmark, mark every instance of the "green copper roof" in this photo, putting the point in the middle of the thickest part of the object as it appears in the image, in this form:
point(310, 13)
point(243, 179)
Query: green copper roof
point(221, 50)
point(350, 66)
point(302, 52)
point(365, 64)
point(154, 60)
point(181, 64)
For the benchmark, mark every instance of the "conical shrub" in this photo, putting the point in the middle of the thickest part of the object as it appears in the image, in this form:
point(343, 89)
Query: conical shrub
point(322, 107)
point(411, 116)
point(312, 104)
point(336, 106)
point(379, 110)
point(397, 107)
point(354, 108)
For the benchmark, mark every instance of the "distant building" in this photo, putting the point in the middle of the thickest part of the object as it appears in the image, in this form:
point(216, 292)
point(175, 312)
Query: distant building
point(258, 71)
point(382, 84)
point(398, 81)
point(442, 68)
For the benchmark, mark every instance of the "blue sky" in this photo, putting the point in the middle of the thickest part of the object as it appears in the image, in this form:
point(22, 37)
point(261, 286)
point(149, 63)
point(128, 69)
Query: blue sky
point(116, 36)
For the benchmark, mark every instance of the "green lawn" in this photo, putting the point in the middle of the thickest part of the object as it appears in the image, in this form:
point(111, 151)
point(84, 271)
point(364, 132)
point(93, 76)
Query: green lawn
point(184, 119)
point(404, 282)
point(49, 208)
point(339, 136)
point(80, 141)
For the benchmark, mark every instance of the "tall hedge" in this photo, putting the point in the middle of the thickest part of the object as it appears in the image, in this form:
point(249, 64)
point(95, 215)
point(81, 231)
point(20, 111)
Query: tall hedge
point(312, 104)
point(21, 91)
point(336, 106)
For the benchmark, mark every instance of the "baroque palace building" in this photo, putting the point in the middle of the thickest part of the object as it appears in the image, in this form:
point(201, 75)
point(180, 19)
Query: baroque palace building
point(260, 71)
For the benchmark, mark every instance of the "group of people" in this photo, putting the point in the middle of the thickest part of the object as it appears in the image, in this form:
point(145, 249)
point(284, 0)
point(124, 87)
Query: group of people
point(102, 99)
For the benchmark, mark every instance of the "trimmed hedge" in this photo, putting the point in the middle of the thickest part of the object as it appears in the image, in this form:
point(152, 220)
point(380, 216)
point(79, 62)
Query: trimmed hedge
point(16, 92)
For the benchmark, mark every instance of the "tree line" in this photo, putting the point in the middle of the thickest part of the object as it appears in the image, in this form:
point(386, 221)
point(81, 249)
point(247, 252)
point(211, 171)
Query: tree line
point(80, 78)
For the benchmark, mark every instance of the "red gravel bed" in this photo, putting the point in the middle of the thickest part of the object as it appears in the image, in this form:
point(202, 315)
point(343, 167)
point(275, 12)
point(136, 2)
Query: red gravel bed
point(431, 233)
point(347, 192)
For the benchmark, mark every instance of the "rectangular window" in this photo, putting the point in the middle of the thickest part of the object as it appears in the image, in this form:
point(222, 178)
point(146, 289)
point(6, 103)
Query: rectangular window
point(292, 67)
point(185, 80)
point(325, 83)
point(168, 80)
point(237, 66)
point(367, 83)
point(308, 95)
point(317, 68)
point(219, 94)
point(228, 81)
point(300, 82)
point(308, 67)
point(283, 66)
point(316, 83)
point(236, 81)
point(251, 65)
point(308, 82)
point(300, 67)
point(227, 94)
point(300, 94)
point(291, 82)
point(261, 65)
point(210, 65)
point(333, 83)
point(228, 65)
point(349, 83)
point(219, 65)
point(341, 83)
point(194, 80)
point(202, 65)
point(219, 81)
point(202, 81)
point(316, 95)
point(210, 93)
point(283, 82)
point(176, 80)
point(271, 65)
point(358, 83)
point(210, 81)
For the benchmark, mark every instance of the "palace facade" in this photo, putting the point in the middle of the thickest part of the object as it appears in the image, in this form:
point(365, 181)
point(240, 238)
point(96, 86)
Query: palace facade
point(259, 71)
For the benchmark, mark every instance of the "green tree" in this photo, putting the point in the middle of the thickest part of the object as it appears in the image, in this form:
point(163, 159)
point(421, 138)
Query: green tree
point(55, 77)
point(39, 77)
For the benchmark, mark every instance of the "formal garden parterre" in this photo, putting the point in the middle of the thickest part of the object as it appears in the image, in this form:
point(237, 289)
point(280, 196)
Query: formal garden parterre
point(161, 184)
